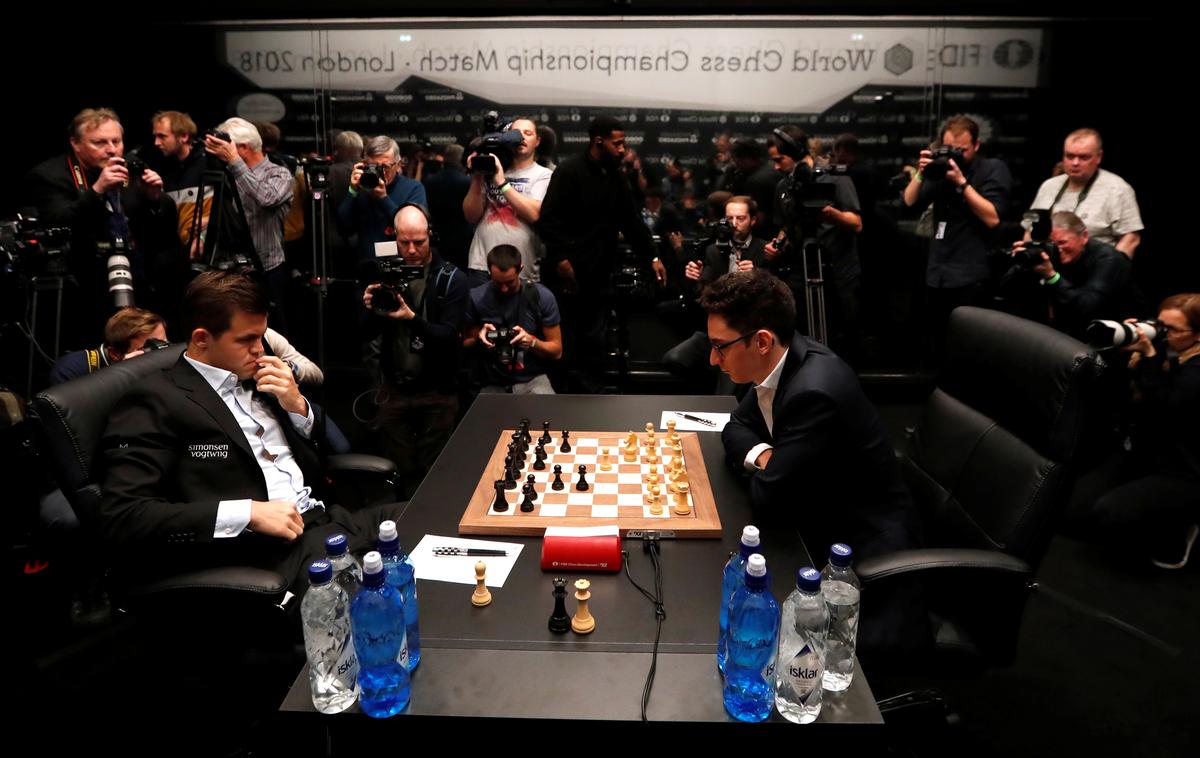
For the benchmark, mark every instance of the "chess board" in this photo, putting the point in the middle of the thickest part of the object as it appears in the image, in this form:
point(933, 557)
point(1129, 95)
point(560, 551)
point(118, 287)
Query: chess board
point(616, 497)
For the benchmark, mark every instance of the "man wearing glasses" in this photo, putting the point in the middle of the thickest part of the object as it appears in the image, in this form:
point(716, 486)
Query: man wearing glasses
point(378, 190)
point(811, 443)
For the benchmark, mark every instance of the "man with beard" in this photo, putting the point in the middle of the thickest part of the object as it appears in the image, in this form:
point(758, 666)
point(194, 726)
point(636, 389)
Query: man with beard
point(517, 326)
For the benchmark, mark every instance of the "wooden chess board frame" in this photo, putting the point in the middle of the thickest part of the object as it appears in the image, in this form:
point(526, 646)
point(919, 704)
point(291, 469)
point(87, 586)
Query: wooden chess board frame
point(702, 522)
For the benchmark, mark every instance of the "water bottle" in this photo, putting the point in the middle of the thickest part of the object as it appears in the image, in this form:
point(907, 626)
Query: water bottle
point(346, 571)
point(732, 580)
point(839, 586)
point(402, 576)
point(377, 618)
point(753, 630)
point(800, 665)
point(332, 665)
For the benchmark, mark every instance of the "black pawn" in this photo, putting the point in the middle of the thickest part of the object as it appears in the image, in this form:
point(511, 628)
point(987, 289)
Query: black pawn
point(500, 504)
point(560, 622)
point(525, 436)
point(510, 475)
point(539, 460)
point(557, 484)
point(545, 439)
point(566, 443)
point(527, 501)
point(529, 480)
point(518, 459)
point(582, 485)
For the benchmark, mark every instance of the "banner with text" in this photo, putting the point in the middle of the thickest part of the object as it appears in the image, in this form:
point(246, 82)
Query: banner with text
point(799, 69)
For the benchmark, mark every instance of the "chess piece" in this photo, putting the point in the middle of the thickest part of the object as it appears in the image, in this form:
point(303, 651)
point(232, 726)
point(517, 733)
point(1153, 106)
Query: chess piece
point(557, 484)
point(682, 507)
point(582, 622)
point(539, 457)
point(531, 481)
point(652, 477)
point(605, 464)
point(527, 501)
point(656, 508)
point(582, 484)
point(671, 427)
point(560, 622)
point(518, 458)
point(481, 596)
point(525, 432)
point(649, 433)
point(510, 474)
point(500, 504)
point(651, 455)
point(545, 439)
point(565, 447)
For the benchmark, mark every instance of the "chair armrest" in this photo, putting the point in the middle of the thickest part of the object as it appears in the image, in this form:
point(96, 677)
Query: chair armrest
point(358, 462)
point(929, 559)
point(243, 581)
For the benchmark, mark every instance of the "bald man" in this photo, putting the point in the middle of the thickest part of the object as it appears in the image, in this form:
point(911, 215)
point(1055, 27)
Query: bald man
point(419, 350)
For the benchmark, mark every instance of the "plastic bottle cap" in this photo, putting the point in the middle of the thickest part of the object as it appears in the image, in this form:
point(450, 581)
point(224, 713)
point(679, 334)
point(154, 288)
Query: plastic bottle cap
point(372, 562)
point(750, 535)
point(336, 544)
point(808, 579)
point(320, 572)
point(387, 531)
point(756, 565)
point(840, 554)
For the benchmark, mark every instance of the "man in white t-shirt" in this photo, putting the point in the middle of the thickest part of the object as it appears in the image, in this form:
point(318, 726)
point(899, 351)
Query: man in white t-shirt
point(505, 207)
point(1104, 201)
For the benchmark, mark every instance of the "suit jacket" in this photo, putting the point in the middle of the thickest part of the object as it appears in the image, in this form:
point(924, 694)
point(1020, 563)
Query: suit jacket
point(172, 450)
point(716, 262)
point(833, 473)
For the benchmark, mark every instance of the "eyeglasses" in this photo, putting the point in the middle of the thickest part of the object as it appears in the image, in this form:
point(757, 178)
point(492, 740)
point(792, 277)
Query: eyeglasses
point(720, 348)
point(1176, 329)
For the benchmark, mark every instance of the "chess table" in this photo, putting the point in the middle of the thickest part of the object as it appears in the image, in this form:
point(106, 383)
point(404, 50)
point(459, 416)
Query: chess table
point(500, 665)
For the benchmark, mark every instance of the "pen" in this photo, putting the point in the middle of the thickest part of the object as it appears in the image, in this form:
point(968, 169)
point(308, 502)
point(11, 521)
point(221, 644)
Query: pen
point(697, 419)
point(467, 551)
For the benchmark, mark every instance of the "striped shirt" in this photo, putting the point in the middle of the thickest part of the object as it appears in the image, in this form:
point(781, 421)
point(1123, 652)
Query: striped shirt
point(266, 192)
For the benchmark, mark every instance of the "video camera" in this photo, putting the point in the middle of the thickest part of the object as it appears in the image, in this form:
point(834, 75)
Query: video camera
point(941, 162)
point(393, 276)
point(29, 249)
point(804, 197)
point(495, 144)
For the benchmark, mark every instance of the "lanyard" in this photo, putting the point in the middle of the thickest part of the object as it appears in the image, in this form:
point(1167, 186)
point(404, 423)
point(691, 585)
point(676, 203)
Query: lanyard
point(1082, 195)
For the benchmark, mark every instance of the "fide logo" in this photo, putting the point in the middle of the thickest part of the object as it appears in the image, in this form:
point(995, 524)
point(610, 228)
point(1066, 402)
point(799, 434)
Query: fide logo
point(1013, 54)
point(898, 59)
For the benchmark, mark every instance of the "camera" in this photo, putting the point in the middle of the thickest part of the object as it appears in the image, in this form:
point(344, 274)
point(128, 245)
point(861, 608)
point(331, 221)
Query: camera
point(941, 162)
point(154, 344)
point(495, 145)
point(1103, 334)
point(135, 166)
point(506, 355)
point(723, 231)
point(804, 198)
point(316, 173)
point(217, 133)
point(33, 250)
point(372, 176)
point(393, 276)
point(1037, 223)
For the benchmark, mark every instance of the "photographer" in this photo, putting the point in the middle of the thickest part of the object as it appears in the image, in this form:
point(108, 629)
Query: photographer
point(120, 219)
point(377, 191)
point(420, 314)
point(815, 204)
point(125, 336)
point(735, 247)
point(1104, 201)
point(506, 203)
point(1078, 279)
point(970, 195)
point(516, 325)
point(1147, 499)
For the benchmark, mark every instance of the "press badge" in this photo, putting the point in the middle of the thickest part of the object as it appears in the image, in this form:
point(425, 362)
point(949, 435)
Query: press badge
point(941, 231)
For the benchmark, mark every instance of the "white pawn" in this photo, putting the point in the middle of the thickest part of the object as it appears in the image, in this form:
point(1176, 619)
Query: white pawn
point(481, 596)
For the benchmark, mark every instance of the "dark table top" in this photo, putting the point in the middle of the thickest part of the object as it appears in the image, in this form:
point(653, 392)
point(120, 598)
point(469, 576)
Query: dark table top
point(502, 662)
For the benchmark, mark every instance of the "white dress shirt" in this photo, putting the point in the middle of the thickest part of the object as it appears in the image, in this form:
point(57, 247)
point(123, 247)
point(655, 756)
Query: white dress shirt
point(285, 480)
point(766, 396)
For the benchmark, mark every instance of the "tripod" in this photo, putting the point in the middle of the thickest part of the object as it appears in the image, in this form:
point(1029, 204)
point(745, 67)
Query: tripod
point(814, 289)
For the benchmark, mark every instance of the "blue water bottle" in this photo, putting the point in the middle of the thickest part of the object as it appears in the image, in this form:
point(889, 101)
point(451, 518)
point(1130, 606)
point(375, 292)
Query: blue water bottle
point(731, 581)
point(377, 619)
point(753, 634)
point(402, 576)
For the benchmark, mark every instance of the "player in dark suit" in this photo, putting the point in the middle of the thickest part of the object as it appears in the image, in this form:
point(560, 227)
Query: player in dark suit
point(811, 443)
point(201, 470)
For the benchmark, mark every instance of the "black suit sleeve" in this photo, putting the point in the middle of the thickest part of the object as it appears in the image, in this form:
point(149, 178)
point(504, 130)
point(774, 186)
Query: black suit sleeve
point(140, 455)
point(1107, 277)
point(804, 427)
point(556, 224)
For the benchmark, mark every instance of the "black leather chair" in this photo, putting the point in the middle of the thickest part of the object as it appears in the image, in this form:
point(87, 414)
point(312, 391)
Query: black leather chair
point(71, 418)
point(990, 465)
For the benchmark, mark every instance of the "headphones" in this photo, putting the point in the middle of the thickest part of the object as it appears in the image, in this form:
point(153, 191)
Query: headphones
point(424, 212)
point(789, 146)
